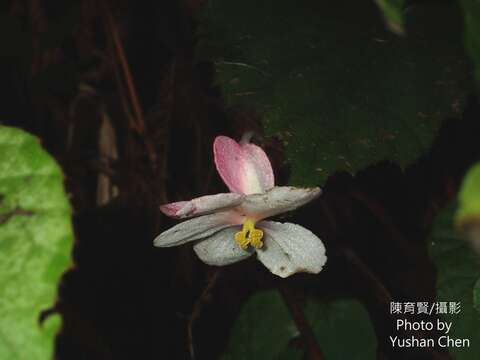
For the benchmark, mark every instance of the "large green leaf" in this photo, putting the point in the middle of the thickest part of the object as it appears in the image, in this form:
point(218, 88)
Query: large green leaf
point(458, 270)
point(264, 330)
point(35, 243)
point(340, 90)
point(472, 31)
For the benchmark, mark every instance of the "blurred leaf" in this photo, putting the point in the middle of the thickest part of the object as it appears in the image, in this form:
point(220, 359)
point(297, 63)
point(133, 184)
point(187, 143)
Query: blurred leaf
point(347, 320)
point(472, 31)
point(476, 295)
point(340, 90)
point(393, 14)
point(469, 197)
point(467, 216)
point(35, 244)
point(264, 330)
point(458, 269)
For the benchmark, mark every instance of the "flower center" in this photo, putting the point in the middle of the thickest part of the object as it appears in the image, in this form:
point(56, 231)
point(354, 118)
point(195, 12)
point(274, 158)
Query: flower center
point(249, 235)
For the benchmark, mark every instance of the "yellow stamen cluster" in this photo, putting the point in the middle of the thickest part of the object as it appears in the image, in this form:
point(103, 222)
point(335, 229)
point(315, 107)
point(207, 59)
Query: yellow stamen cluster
point(249, 235)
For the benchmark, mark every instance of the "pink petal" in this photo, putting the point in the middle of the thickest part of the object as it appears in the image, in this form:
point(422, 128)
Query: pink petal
point(244, 168)
point(202, 205)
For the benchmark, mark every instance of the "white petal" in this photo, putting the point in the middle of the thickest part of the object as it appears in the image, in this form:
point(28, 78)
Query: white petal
point(201, 205)
point(290, 248)
point(194, 229)
point(221, 248)
point(278, 200)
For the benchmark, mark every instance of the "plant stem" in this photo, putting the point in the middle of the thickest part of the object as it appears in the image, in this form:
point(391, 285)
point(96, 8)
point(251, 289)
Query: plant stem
point(313, 349)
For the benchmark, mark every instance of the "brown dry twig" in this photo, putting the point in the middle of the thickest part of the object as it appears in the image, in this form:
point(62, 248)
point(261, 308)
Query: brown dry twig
point(138, 120)
point(112, 30)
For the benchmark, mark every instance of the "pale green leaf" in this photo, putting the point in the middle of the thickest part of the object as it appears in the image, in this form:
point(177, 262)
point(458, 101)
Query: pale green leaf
point(35, 243)
point(469, 197)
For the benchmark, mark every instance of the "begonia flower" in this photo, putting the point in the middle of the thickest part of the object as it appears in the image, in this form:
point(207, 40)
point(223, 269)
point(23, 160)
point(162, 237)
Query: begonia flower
point(230, 227)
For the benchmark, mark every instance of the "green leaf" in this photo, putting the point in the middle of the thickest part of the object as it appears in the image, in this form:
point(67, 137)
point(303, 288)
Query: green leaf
point(476, 295)
point(467, 216)
point(340, 90)
point(264, 330)
point(347, 320)
point(469, 197)
point(393, 14)
point(472, 32)
point(458, 269)
point(35, 244)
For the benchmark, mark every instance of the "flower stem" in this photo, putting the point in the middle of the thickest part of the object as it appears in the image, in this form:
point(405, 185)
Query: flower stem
point(246, 137)
point(313, 349)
